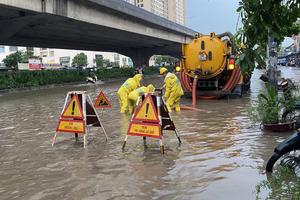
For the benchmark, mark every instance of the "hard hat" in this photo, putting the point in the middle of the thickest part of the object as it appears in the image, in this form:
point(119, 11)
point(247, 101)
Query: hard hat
point(150, 88)
point(163, 70)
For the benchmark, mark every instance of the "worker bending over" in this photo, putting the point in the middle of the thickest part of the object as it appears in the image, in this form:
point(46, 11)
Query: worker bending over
point(128, 86)
point(173, 89)
point(134, 95)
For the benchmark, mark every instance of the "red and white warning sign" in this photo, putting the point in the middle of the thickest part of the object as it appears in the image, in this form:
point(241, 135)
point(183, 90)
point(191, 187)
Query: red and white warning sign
point(73, 109)
point(146, 112)
point(145, 121)
point(150, 120)
point(78, 115)
point(102, 102)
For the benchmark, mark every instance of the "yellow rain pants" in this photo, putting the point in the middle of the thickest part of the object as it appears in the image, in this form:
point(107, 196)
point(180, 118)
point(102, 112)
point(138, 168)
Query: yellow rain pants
point(128, 86)
point(173, 92)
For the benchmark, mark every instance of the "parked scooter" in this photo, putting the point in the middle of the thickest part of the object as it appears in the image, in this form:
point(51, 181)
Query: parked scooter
point(287, 153)
point(92, 79)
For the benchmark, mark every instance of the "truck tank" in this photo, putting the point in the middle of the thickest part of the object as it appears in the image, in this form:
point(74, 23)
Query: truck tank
point(208, 67)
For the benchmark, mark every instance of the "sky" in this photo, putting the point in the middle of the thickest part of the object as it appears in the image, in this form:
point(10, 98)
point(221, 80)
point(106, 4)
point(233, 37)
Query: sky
point(207, 16)
point(217, 16)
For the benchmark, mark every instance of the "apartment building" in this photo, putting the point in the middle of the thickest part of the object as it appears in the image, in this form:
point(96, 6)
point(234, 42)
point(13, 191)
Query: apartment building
point(64, 57)
point(174, 10)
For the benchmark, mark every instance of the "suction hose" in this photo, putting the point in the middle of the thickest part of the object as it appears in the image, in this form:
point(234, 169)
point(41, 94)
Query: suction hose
point(230, 85)
point(194, 92)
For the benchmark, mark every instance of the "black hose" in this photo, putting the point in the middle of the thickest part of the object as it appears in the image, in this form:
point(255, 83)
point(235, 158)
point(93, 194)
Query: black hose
point(231, 37)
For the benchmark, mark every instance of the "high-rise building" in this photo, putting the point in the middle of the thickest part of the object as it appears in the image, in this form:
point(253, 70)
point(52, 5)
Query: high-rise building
point(130, 1)
point(174, 10)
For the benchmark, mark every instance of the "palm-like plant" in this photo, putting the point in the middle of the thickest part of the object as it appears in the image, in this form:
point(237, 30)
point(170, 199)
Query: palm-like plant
point(270, 106)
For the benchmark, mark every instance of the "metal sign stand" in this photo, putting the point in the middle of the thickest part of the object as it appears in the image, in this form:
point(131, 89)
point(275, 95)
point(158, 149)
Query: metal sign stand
point(165, 122)
point(90, 116)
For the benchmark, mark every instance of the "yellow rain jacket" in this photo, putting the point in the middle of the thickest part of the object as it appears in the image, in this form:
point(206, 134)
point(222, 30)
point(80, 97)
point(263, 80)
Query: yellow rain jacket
point(128, 86)
point(134, 95)
point(173, 92)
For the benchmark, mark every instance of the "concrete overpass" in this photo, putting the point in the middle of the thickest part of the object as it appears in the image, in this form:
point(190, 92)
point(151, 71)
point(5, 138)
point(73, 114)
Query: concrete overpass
point(98, 25)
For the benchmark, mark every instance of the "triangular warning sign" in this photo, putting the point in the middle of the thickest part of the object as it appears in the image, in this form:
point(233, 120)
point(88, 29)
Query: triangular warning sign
point(102, 101)
point(73, 109)
point(147, 111)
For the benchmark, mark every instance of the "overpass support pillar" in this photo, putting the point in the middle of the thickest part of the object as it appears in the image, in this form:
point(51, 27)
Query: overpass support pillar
point(140, 57)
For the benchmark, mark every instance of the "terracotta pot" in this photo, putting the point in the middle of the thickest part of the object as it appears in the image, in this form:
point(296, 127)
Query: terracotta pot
point(280, 127)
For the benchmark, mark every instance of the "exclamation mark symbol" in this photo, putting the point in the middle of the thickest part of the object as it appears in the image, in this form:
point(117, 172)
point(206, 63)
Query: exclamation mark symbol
point(147, 109)
point(73, 107)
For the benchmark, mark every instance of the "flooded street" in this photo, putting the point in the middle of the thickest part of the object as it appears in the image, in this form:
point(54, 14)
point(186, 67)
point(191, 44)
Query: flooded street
point(222, 156)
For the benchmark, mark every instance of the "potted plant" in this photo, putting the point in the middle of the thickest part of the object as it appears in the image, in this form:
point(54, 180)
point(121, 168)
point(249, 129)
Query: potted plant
point(274, 110)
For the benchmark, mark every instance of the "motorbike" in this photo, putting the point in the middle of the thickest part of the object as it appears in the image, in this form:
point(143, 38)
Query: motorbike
point(92, 79)
point(287, 153)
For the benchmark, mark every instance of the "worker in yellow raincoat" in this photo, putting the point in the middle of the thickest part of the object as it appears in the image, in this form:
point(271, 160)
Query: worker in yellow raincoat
point(173, 89)
point(134, 95)
point(128, 86)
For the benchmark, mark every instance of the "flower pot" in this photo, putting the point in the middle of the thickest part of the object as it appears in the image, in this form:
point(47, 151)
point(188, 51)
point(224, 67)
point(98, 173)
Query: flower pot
point(280, 127)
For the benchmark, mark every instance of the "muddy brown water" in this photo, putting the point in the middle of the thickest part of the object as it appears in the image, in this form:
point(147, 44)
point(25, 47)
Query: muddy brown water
point(222, 156)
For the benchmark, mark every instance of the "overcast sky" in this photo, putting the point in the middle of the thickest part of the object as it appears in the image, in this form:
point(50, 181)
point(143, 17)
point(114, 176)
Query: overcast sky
point(207, 16)
point(217, 16)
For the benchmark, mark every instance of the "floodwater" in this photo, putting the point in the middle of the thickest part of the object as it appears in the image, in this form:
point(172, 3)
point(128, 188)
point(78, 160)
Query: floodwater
point(222, 156)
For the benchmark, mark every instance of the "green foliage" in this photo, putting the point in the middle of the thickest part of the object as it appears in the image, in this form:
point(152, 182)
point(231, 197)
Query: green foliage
point(80, 60)
point(249, 57)
point(266, 110)
point(105, 63)
point(12, 60)
point(28, 55)
point(20, 79)
point(161, 60)
point(283, 184)
point(270, 106)
point(262, 19)
point(99, 61)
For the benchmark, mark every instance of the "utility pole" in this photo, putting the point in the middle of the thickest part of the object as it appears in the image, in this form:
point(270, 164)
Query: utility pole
point(272, 61)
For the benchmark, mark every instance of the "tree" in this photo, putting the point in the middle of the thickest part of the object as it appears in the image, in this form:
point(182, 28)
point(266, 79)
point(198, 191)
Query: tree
point(12, 60)
point(265, 23)
point(80, 60)
point(99, 61)
point(162, 60)
point(106, 63)
point(26, 56)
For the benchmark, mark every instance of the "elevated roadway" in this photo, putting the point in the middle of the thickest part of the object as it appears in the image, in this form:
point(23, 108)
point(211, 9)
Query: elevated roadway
point(98, 25)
